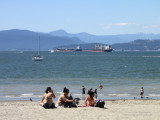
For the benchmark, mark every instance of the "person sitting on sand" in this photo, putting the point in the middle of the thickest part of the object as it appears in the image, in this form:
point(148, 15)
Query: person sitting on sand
point(46, 101)
point(90, 100)
point(142, 91)
point(63, 98)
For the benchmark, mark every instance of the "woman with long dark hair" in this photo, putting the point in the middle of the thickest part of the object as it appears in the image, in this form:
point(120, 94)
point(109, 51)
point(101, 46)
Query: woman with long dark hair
point(46, 100)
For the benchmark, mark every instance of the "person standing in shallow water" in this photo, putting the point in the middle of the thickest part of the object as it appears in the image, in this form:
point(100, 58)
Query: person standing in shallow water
point(83, 90)
point(100, 86)
point(142, 91)
point(91, 90)
point(95, 93)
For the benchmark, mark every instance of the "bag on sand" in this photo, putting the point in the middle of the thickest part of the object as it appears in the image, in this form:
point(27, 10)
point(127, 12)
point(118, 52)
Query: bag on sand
point(99, 103)
point(70, 104)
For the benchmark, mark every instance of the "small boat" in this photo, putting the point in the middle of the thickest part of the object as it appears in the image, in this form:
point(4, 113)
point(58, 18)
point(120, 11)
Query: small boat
point(38, 57)
point(51, 51)
point(78, 48)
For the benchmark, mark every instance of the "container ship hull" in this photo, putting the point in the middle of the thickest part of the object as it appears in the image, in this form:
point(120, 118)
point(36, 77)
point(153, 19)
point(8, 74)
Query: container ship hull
point(108, 50)
point(97, 50)
point(69, 50)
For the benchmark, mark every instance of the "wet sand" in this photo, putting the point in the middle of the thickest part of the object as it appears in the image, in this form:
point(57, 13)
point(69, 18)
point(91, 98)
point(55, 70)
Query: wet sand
point(114, 110)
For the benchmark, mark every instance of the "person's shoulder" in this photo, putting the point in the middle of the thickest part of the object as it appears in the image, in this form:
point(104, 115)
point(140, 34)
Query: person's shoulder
point(95, 99)
point(88, 97)
point(44, 94)
point(49, 94)
point(61, 96)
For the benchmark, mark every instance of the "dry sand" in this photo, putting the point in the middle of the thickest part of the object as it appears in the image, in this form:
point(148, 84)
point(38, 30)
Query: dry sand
point(115, 110)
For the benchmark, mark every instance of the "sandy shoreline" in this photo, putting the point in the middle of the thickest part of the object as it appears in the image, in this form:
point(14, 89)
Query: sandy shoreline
point(115, 110)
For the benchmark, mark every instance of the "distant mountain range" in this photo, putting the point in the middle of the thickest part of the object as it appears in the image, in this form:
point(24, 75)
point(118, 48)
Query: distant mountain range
point(28, 40)
point(106, 39)
point(138, 45)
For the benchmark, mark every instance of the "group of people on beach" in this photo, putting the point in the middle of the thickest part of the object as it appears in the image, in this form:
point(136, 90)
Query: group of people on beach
point(64, 99)
point(47, 102)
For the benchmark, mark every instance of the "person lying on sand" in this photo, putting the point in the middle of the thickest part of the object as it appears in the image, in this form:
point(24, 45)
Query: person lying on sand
point(63, 98)
point(46, 101)
point(90, 100)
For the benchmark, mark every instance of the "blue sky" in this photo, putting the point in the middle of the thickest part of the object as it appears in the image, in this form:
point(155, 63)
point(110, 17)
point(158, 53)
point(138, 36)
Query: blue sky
point(99, 17)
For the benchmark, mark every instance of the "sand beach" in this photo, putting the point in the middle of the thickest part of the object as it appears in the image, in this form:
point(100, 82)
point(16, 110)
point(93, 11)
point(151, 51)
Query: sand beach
point(114, 110)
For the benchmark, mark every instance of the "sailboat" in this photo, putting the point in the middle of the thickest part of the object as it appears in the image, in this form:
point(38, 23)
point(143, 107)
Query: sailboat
point(38, 57)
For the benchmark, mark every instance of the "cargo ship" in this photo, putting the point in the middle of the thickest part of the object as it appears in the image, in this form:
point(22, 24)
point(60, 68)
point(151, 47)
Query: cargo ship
point(78, 48)
point(102, 48)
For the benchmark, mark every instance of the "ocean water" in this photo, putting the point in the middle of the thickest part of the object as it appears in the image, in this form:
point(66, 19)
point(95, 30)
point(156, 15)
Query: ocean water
point(121, 73)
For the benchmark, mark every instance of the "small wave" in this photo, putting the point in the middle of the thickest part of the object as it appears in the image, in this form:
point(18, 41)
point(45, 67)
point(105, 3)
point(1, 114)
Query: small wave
point(118, 95)
point(59, 92)
point(77, 94)
point(8, 96)
point(22, 96)
point(154, 95)
point(150, 56)
point(27, 94)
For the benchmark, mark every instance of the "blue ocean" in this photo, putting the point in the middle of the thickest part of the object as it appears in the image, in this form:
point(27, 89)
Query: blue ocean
point(122, 74)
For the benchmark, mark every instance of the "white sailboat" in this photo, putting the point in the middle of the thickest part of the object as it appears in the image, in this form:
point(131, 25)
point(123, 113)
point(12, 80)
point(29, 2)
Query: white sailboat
point(38, 57)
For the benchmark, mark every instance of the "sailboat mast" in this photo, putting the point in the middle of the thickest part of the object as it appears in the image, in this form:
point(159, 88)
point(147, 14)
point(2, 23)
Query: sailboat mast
point(38, 45)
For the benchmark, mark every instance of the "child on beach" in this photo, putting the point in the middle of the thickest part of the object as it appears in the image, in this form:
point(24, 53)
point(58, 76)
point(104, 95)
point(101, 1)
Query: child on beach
point(63, 99)
point(46, 101)
point(90, 100)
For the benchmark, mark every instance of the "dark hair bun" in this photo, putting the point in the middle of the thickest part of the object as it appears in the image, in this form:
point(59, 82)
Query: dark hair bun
point(47, 89)
point(65, 90)
point(90, 93)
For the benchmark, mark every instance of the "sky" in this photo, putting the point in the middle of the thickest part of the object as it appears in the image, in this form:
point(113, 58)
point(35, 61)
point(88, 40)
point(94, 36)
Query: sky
point(98, 17)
